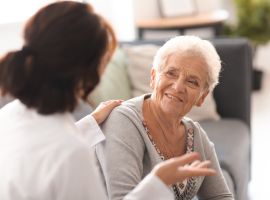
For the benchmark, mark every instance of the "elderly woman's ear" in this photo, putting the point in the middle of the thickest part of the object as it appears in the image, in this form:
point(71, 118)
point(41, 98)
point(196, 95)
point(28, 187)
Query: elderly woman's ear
point(153, 78)
point(202, 98)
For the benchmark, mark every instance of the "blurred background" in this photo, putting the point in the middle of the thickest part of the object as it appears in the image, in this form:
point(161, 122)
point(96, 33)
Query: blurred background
point(239, 18)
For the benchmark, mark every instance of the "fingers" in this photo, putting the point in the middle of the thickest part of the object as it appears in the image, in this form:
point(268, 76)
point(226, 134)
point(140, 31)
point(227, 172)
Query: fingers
point(203, 164)
point(113, 102)
point(197, 168)
point(196, 163)
point(200, 164)
point(192, 172)
point(189, 165)
point(108, 106)
point(185, 159)
point(190, 159)
point(104, 109)
point(178, 169)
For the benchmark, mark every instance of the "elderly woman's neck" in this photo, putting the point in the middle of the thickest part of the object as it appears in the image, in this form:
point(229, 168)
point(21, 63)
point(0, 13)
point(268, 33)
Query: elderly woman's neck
point(165, 121)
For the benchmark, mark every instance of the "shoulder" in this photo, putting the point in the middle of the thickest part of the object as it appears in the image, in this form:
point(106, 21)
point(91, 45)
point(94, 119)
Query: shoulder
point(10, 108)
point(202, 143)
point(124, 124)
point(130, 107)
point(129, 113)
point(197, 128)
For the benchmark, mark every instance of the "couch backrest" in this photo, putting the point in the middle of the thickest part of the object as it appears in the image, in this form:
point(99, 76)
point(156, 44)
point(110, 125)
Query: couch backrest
point(233, 94)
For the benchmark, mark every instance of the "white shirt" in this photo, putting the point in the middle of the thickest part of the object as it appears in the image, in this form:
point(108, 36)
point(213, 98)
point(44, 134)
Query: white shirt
point(48, 157)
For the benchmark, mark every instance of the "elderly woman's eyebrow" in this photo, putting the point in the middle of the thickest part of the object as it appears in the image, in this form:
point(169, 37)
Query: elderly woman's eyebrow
point(194, 77)
point(173, 68)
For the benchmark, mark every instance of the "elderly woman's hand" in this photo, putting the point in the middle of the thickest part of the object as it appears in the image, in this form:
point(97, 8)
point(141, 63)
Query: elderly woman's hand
point(178, 169)
point(104, 109)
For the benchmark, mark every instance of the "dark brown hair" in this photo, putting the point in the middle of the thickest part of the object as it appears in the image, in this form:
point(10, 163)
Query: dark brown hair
point(65, 43)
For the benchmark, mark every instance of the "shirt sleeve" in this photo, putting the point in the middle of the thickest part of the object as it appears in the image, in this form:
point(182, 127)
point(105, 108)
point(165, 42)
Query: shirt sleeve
point(151, 187)
point(78, 177)
point(90, 130)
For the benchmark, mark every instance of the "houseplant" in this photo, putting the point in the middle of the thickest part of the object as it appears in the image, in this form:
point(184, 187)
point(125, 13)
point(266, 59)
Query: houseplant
point(253, 22)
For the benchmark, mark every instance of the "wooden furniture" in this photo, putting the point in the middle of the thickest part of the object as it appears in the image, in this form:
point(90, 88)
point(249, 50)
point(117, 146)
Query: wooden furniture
point(213, 20)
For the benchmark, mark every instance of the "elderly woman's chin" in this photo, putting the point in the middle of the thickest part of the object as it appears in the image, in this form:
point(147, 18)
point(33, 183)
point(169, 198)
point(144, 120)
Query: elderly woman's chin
point(172, 105)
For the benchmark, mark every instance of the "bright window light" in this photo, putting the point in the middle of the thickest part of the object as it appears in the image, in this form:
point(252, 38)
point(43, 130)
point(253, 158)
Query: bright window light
point(20, 10)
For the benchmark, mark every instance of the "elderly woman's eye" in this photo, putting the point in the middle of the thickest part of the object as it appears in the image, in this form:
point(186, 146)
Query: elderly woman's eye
point(193, 82)
point(172, 74)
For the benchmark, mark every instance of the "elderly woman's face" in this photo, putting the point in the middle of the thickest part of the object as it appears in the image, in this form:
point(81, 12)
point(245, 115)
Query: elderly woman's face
point(180, 84)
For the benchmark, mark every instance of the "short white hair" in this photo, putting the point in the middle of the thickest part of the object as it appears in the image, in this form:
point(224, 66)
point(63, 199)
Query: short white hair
point(195, 45)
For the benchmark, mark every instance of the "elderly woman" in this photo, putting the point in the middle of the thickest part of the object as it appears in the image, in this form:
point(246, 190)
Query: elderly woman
point(152, 128)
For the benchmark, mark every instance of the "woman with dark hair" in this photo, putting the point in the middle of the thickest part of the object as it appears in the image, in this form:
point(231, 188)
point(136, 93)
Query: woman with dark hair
point(43, 153)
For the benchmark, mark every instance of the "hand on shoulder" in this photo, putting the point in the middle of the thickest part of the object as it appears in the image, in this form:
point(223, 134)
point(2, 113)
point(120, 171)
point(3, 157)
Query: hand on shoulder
point(104, 109)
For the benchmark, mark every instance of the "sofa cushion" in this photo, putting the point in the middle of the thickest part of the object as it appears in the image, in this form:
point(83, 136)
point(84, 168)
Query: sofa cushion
point(114, 83)
point(139, 64)
point(232, 144)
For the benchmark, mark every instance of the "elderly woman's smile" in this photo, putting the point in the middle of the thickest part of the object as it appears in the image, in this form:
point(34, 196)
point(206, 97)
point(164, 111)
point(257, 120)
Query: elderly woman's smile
point(174, 98)
point(180, 84)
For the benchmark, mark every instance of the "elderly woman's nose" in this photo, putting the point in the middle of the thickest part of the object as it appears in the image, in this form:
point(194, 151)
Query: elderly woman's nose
point(179, 84)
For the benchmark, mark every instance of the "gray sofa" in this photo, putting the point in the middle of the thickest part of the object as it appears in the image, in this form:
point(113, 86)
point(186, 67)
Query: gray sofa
point(232, 133)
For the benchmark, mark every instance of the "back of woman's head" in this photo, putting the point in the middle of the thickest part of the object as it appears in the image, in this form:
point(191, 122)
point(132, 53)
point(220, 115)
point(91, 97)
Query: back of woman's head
point(65, 43)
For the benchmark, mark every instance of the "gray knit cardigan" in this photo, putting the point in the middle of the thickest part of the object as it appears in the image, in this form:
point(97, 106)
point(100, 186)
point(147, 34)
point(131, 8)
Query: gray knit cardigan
point(128, 155)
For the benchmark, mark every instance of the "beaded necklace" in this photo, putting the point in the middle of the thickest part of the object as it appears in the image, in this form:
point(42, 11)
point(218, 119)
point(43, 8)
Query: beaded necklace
point(182, 190)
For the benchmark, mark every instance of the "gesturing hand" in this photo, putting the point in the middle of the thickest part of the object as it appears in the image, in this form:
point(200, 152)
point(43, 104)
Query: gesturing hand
point(104, 109)
point(178, 169)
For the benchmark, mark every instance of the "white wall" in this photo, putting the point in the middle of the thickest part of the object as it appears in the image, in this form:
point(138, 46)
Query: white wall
point(13, 14)
point(145, 9)
point(262, 58)
point(149, 9)
point(122, 14)
point(10, 37)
